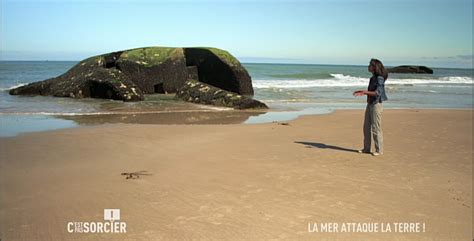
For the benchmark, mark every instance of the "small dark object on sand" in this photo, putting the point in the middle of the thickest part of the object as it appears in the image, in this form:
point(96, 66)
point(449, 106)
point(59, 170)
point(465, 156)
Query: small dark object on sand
point(134, 175)
point(282, 123)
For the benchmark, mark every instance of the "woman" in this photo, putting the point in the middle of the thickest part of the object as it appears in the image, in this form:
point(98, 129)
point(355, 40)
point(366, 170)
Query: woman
point(373, 112)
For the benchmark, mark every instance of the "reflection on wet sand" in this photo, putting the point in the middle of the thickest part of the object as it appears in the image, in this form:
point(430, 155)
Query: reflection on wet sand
point(185, 117)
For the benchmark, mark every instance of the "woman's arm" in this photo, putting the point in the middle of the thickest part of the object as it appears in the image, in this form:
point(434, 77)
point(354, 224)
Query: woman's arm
point(364, 92)
point(378, 90)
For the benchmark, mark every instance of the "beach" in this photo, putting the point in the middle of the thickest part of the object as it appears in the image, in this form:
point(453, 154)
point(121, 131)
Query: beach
point(267, 181)
point(236, 120)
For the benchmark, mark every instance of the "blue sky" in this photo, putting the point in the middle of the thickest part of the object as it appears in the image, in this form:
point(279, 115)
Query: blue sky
point(434, 33)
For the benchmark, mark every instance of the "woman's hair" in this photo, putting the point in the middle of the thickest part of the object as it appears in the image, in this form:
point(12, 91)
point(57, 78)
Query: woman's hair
point(379, 68)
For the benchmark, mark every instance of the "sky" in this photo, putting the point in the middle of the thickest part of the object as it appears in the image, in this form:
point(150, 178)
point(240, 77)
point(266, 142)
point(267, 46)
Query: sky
point(436, 33)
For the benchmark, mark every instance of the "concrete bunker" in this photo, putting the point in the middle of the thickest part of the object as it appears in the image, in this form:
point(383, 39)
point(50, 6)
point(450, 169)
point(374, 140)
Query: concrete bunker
point(211, 69)
point(130, 74)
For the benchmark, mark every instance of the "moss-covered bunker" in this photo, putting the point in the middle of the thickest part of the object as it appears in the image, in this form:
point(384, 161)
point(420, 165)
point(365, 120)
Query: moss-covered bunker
point(128, 75)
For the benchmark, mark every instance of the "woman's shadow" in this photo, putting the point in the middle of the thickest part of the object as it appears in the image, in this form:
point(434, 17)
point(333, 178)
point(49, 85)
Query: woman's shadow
point(324, 146)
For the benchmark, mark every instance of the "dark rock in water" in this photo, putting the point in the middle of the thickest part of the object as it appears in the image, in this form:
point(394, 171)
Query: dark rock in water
point(202, 93)
point(410, 69)
point(128, 75)
point(86, 79)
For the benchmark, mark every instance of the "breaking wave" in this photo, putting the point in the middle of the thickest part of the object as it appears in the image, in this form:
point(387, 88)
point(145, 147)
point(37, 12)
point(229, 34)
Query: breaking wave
point(341, 80)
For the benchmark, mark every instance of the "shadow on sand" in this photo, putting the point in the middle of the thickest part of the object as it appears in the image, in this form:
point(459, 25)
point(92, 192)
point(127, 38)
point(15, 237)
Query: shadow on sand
point(324, 146)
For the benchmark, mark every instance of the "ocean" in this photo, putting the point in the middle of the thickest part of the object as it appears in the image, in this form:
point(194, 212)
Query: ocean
point(289, 90)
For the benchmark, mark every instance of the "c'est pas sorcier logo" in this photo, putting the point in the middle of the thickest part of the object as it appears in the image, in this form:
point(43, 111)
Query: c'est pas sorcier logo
point(111, 224)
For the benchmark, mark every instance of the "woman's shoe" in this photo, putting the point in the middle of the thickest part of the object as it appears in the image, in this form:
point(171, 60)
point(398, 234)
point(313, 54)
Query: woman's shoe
point(363, 151)
point(377, 153)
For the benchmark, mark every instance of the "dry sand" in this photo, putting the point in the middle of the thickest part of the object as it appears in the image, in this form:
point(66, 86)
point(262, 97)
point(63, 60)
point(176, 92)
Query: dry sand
point(242, 182)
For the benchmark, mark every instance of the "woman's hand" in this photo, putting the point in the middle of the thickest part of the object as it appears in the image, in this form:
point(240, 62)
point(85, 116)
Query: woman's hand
point(359, 93)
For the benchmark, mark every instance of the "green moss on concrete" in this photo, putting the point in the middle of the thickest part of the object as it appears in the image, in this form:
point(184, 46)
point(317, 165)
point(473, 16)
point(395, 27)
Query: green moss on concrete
point(148, 57)
point(226, 56)
point(93, 61)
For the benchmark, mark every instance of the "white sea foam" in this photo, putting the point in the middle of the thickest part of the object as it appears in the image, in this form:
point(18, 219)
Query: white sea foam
point(13, 87)
point(215, 108)
point(458, 79)
point(341, 80)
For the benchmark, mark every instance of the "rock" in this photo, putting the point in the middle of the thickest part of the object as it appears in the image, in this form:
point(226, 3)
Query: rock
point(410, 69)
point(128, 75)
point(202, 93)
point(87, 79)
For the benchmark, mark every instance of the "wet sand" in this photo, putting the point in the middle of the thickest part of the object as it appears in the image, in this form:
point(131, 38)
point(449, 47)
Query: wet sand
point(242, 182)
point(167, 118)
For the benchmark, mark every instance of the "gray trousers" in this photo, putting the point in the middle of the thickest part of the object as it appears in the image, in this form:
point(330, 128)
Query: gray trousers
point(373, 127)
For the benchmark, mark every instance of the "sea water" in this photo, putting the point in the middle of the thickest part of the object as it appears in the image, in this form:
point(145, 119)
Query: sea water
point(289, 90)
